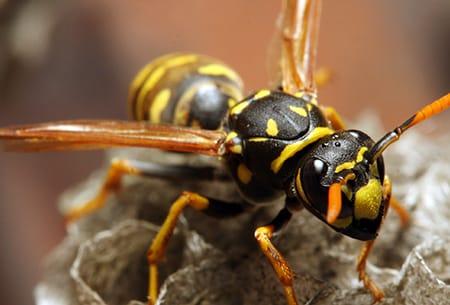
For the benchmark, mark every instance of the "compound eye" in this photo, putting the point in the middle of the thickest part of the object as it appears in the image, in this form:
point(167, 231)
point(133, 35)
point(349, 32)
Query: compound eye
point(312, 173)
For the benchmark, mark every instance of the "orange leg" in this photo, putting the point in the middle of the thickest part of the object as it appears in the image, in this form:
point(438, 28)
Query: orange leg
point(118, 168)
point(335, 119)
point(401, 211)
point(157, 249)
point(284, 273)
point(376, 292)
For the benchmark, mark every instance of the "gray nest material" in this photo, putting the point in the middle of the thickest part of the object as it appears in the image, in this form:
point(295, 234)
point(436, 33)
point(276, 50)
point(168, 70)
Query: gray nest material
point(209, 261)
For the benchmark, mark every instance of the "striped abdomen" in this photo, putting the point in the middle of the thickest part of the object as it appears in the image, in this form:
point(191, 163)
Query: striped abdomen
point(185, 90)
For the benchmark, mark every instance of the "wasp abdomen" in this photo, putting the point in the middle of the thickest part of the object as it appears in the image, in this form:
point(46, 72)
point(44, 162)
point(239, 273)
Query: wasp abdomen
point(185, 90)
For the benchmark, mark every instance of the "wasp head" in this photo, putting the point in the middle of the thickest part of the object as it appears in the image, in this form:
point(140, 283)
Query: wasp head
point(338, 184)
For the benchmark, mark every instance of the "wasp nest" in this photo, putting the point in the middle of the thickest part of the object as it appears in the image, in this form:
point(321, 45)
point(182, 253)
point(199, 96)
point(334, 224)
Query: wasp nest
point(209, 261)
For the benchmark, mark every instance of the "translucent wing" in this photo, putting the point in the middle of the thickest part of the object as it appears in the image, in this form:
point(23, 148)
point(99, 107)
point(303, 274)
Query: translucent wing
point(98, 134)
point(299, 27)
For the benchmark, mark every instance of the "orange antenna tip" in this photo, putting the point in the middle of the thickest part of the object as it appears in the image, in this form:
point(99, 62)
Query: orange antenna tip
point(334, 202)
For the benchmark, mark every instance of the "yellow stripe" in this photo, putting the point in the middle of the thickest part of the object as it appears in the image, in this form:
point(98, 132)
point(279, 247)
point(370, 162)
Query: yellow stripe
point(155, 76)
point(272, 128)
point(291, 149)
point(219, 70)
point(158, 105)
point(260, 94)
point(299, 94)
point(239, 107)
point(299, 110)
point(258, 139)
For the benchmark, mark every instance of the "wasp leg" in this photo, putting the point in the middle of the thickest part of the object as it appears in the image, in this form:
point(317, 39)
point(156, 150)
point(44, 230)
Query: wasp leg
point(335, 119)
point(284, 273)
point(117, 169)
point(212, 207)
point(376, 292)
point(402, 212)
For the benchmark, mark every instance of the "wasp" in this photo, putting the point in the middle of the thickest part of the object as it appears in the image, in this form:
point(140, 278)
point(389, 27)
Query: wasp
point(275, 143)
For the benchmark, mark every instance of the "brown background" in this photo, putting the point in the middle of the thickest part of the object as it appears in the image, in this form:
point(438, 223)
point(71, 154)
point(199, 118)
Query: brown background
point(74, 59)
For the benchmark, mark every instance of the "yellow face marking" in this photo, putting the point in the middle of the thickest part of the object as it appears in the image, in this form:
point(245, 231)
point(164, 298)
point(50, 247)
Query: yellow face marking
point(159, 72)
point(368, 200)
point(299, 110)
point(272, 127)
point(291, 149)
point(360, 155)
point(343, 222)
point(346, 165)
point(260, 94)
point(244, 174)
point(231, 102)
point(219, 70)
point(158, 105)
point(239, 107)
point(258, 139)
point(299, 94)
point(351, 164)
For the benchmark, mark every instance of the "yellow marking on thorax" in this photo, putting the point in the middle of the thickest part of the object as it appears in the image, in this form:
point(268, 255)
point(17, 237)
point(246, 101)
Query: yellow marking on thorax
point(309, 106)
point(299, 110)
point(239, 107)
point(258, 139)
point(368, 200)
point(230, 136)
point(260, 94)
point(272, 127)
point(219, 70)
point(158, 105)
point(244, 174)
point(299, 94)
point(159, 72)
point(231, 102)
point(291, 149)
point(234, 148)
point(351, 164)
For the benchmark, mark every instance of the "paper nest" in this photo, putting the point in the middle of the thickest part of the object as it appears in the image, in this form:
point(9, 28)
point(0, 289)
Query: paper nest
point(209, 261)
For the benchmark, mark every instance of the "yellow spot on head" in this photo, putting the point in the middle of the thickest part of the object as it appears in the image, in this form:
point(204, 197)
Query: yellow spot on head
point(368, 200)
point(244, 174)
point(299, 110)
point(219, 70)
point(345, 165)
point(272, 128)
point(260, 94)
point(239, 107)
point(158, 105)
point(360, 155)
point(342, 222)
point(291, 149)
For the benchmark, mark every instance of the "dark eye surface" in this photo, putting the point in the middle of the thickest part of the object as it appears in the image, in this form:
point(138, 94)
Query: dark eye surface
point(312, 173)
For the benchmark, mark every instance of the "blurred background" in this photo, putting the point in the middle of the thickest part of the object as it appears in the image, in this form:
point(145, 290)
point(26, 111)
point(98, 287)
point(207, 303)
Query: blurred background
point(75, 59)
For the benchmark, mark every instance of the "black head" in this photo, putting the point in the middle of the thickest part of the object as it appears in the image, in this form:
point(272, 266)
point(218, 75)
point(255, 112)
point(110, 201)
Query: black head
point(341, 159)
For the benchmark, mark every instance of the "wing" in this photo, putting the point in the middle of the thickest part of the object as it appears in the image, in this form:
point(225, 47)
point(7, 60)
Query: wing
point(299, 34)
point(98, 134)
